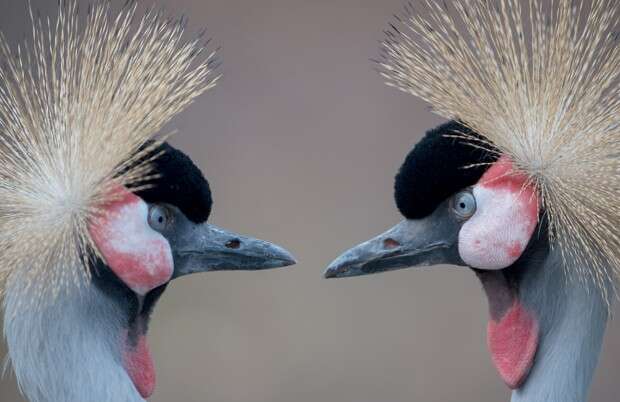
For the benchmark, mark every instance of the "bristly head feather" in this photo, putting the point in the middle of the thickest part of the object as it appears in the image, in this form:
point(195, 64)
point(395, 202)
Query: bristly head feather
point(78, 103)
point(540, 80)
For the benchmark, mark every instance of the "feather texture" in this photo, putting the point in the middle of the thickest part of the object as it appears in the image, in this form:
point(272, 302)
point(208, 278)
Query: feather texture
point(78, 103)
point(540, 80)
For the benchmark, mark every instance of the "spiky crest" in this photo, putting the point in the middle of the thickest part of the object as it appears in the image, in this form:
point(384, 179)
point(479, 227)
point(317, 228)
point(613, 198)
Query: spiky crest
point(78, 102)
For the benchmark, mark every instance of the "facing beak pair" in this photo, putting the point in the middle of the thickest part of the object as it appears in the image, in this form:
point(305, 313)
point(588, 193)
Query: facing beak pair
point(422, 242)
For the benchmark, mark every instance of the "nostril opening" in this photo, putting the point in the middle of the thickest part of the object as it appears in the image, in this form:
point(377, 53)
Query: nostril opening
point(390, 243)
point(234, 243)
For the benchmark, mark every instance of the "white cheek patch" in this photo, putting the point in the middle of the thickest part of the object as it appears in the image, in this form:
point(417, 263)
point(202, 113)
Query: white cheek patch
point(137, 254)
point(506, 216)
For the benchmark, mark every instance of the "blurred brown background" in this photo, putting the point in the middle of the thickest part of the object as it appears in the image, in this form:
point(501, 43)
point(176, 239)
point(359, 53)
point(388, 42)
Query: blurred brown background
point(300, 142)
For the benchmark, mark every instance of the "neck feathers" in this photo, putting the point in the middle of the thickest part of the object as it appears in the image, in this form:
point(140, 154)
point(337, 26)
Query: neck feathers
point(70, 350)
point(572, 319)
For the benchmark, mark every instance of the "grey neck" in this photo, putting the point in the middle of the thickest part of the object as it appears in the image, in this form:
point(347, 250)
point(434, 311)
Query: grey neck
point(572, 319)
point(70, 350)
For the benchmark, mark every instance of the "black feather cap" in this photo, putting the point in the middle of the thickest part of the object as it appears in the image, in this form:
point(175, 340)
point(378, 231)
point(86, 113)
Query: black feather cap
point(180, 183)
point(437, 167)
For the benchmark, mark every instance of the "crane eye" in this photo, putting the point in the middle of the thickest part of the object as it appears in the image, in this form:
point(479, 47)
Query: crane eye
point(464, 204)
point(158, 217)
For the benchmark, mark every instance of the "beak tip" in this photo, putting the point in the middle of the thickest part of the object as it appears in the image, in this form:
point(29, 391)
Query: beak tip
point(330, 273)
point(343, 266)
point(286, 258)
point(289, 261)
point(335, 269)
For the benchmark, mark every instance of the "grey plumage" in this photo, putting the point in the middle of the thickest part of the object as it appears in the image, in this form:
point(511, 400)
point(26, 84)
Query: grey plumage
point(69, 350)
point(572, 319)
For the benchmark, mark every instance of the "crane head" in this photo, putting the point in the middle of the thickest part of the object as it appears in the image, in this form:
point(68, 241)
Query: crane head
point(469, 207)
point(159, 233)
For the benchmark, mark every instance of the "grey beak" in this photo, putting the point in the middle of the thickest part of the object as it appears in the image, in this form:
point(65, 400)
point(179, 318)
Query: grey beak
point(410, 243)
point(205, 247)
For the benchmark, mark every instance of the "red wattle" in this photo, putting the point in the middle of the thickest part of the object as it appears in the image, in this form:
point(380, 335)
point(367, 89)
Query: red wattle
point(513, 341)
point(140, 367)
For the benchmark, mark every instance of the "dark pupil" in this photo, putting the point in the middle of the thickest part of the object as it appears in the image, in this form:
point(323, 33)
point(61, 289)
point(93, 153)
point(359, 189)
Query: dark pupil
point(160, 219)
point(462, 205)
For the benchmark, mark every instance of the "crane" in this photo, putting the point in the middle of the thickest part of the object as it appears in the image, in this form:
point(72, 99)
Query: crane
point(519, 184)
point(97, 214)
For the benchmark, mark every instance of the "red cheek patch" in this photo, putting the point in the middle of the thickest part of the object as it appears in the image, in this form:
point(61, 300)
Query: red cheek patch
point(506, 216)
point(513, 341)
point(137, 254)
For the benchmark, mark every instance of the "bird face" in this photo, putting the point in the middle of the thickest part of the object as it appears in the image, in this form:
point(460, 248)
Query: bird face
point(154, 235)
point(462, 206)
point(147, 245)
